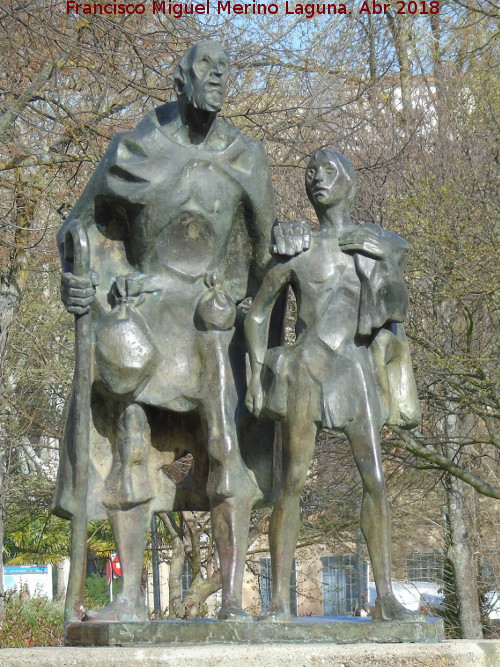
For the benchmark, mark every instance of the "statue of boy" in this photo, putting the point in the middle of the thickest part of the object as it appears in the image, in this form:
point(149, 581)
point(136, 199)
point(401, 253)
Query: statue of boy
point(349, 369)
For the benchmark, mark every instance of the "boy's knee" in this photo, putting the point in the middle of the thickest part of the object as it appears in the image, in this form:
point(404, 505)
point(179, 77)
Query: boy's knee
point(295, 479)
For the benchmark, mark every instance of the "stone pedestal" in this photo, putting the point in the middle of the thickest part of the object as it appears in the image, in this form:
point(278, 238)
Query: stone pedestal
point(340, 630)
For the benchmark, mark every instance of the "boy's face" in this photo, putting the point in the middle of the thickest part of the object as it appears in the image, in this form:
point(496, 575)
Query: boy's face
point(325, 181)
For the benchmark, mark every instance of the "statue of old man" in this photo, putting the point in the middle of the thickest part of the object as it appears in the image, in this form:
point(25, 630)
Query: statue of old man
point(170, 235)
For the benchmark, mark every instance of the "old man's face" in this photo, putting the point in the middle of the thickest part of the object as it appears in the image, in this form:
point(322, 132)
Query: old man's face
point(208, 77)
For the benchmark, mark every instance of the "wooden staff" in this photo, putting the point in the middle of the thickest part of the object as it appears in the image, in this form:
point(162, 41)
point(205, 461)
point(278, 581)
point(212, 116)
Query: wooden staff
point(76, 260)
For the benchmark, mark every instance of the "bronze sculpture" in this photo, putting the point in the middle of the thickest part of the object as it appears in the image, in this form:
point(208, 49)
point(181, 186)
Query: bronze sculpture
point(349, 369)
point(171, 233)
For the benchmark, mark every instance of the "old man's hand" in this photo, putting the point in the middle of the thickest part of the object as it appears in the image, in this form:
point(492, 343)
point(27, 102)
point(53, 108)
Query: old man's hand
point(291, 238)
point(77, 293)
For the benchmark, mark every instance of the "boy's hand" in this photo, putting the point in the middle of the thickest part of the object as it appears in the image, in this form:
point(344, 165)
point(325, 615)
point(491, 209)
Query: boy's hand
point(364, 239)
point(255, 396)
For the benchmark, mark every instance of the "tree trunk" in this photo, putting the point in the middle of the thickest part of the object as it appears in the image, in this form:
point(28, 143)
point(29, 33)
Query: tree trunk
point(62, 569)
point(176, 565)
point(12, 285)
point(462, 558)
point(175, 607)
point(2, 505)
point(13, 281)
point(372, 58)
point(400, 32)
point(186, 544)
point(198, 593)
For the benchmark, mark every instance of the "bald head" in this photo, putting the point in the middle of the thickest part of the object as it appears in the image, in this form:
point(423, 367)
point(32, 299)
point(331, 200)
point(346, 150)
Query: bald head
point(201, 76)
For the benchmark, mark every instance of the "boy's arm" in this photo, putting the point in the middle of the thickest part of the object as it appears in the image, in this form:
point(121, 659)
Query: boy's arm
point(257, 329)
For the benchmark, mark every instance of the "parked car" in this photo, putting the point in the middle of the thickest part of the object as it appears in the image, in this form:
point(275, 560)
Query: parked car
point(425, 596)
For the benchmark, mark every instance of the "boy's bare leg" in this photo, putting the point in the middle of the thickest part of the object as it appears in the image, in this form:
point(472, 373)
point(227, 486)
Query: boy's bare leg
point(375, 516)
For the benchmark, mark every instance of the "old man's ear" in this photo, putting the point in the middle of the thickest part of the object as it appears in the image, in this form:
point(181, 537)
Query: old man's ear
point(179, 80)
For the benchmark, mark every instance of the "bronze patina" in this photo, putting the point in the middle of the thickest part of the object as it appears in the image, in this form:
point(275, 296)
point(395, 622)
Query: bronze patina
point(349, 369)
point(171, 235)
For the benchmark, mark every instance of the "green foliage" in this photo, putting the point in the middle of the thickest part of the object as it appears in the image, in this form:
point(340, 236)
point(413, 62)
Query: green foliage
point(33, 536)
point(31, 621)
point(36, 540)
point(100, 539)
point(97, 591)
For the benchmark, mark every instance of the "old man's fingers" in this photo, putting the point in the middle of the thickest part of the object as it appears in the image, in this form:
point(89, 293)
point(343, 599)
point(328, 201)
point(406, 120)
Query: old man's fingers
point(291, 238)
point(77, 293)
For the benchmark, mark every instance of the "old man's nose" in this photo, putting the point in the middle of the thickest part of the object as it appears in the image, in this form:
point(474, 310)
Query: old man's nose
point(220, 67)
point(319, 176)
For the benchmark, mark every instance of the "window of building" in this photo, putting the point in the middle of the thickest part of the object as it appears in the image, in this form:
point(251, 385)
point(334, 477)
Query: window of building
point(266, 586)
point(424, 566)
point(344, 581)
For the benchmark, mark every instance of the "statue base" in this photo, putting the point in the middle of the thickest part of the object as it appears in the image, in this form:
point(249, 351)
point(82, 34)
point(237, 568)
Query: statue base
point(309, 629)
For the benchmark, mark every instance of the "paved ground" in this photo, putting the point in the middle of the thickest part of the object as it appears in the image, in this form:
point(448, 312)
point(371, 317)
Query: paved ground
point(444, 654)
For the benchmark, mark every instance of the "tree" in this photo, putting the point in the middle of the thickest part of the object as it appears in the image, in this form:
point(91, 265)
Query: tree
point(413, 104)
